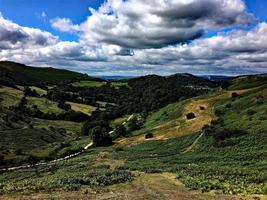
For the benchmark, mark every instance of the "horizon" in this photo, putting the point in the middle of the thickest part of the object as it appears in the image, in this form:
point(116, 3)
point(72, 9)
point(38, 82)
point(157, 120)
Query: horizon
point(137, 38)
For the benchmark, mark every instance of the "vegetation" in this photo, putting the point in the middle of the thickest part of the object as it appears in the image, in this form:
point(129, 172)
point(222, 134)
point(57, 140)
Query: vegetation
point(145, 130)
point(21, 74)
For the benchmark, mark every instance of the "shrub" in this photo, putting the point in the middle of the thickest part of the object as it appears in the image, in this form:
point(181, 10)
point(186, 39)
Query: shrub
point(63, 105)
point(251, 112)
point(149, 135)
point(201, 107)
point(2, 160)
point(228, 105)
point(133, 124)
point(259, 99)
point(221, 137)
point(190, 116)
point(100, 137)
point(120, 131)
point(234, 95)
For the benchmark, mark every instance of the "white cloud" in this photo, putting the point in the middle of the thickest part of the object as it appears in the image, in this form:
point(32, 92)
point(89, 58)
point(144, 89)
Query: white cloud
point(142, 24)
point(141, 37)
point(64, 25)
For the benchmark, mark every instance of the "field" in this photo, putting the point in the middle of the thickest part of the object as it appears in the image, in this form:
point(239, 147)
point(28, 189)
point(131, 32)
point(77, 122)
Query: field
point(88, 84)
point(86, 109)
point(39, 90)
point(44, 105)
point(10, 96)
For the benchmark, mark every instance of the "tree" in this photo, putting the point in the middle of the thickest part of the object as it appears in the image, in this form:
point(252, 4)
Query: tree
point(120, 131)
point(2, 160)
point(100, 137)
point(29, 92)
point(234, 95)
point(133, 124)
point(63, 105)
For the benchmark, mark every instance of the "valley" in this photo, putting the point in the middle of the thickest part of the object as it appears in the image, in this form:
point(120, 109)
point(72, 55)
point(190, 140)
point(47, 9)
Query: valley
point(150, 137)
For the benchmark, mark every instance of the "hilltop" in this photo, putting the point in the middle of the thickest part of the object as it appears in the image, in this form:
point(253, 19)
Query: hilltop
point(22, 74)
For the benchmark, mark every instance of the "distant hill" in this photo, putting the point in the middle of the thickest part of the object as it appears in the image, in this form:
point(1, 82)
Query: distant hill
point(218, 78)
point(26, 75)
point(249, 81)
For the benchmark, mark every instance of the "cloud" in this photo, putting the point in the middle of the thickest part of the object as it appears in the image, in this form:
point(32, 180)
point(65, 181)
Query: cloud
point(13, 36)
point(142, 24)
point(64, 25)
point(144, 37)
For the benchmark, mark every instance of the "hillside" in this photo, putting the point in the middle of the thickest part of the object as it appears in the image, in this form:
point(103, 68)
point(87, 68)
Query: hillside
point(133, 138)
point(26, 75)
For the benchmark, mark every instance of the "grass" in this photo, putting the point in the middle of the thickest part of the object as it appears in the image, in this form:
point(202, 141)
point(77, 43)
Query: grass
point(73, 128)
point(30, 75)
point(39, 90)
point(10, 96)
point(118, 121)
point(44, 105)
point(79, 173)
point(248, 82)
point(88, 84)
point(170, 121)
point(117, 85)
point(237, 167)
point(86, 109)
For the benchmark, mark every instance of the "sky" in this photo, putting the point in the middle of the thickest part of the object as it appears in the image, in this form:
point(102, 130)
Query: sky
point(137, 37)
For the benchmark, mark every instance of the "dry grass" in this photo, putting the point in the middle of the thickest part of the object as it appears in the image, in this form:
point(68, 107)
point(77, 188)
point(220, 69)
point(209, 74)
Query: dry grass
point(181, 126)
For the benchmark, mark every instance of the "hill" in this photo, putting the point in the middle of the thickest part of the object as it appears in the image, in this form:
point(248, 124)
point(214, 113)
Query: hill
point(245, 82)
point(147, 137)
point(26, 75)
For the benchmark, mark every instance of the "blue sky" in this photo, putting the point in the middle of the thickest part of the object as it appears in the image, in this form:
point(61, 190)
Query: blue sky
point(29, 12)
point(137, 37)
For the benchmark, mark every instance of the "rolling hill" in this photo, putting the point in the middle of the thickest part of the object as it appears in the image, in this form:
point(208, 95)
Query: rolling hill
point(219, 153)
point(26, 75)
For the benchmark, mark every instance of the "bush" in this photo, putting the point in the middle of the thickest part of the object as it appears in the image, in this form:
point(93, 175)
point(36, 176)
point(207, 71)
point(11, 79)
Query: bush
point(120, 131)
point(2, 160)
point(251, 112)
point(190, 116)
point(221, 137)
point(100, 137)
point(149, 135)
point(133, 124)
point(64, 105)
point(201, 107)
point(29, 92)
point(234, 95)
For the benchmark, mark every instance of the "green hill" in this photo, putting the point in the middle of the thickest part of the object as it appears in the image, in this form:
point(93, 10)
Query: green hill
point(245, 82)
point(220, 152)
point(22, 74)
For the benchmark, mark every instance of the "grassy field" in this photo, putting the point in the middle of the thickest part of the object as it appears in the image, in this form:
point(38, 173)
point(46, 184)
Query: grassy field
point(39, 90)
point(9, 96)
point(88, 84)
point(248, 82)
point(44, 105)
point(86, 109)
